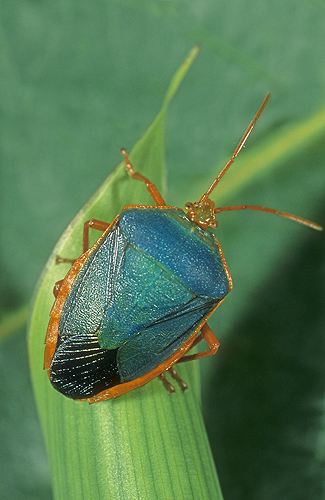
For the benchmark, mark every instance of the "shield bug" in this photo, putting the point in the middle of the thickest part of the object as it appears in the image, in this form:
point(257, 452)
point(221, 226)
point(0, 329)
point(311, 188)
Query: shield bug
point(138, 300)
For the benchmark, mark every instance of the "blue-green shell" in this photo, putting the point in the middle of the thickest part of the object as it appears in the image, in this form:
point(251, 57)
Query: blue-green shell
point(148, 286)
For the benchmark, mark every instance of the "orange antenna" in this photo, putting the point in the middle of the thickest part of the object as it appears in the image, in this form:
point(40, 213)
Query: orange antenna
point(239, 147)
point(203, 212)
point(295, 218)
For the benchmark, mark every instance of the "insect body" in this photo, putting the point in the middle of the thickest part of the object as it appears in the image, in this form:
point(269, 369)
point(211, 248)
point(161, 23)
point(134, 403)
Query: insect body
point(134, 303)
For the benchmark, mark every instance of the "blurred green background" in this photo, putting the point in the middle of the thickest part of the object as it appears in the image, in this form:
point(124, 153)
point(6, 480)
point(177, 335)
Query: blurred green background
point(80, 80)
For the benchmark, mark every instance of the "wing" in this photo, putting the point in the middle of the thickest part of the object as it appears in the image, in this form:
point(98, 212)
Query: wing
point(144, 293)
point(160, 340)
point(80, 368)
point(93, 286)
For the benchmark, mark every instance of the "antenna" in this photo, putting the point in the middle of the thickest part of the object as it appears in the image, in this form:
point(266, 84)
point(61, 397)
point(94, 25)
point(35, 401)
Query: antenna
point(239, 147)
point(295, 218)
point(203, 212)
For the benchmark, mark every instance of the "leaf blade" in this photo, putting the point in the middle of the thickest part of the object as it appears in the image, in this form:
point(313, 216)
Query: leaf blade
point(135, 446)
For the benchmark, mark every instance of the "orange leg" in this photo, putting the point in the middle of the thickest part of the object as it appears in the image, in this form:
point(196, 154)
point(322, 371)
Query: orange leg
point(118, 390)
point(57, 286)
point(92, 223)
point(152, 190)
point(175, 376)
point(208, 335)
point(166, 382)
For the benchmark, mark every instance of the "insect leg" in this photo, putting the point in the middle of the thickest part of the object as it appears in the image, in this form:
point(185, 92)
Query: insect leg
point(175, 375)
point(169, 386)
point(94, 224)
point(151, 188)
point(118, 390)
point(208, 335)
point(57, 287)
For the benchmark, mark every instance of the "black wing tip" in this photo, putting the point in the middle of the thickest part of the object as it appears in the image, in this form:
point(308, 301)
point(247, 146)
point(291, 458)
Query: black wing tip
point(81, 369)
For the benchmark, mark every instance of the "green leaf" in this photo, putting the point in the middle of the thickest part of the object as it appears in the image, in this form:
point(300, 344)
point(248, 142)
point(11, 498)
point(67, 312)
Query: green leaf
point(144, 444)
point(82, 79)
